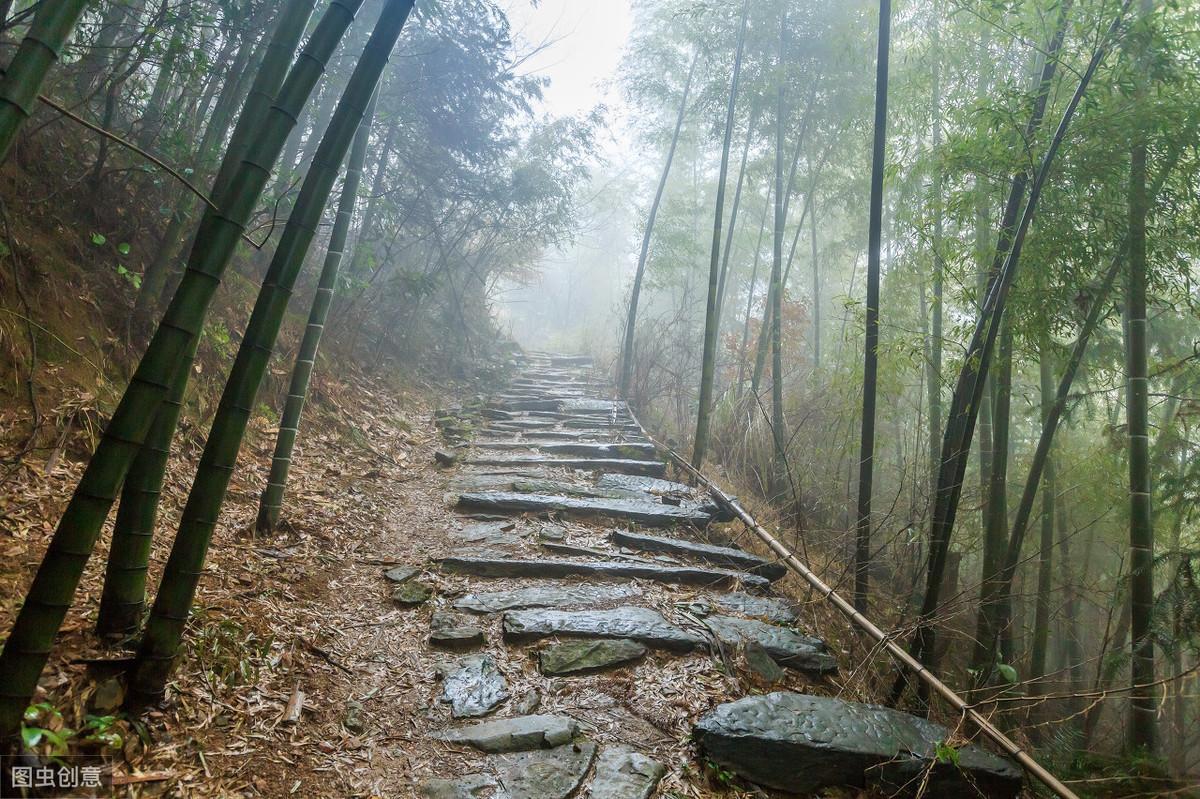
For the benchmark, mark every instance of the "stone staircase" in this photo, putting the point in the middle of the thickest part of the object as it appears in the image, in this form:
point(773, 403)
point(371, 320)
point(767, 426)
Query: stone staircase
point(584, 567)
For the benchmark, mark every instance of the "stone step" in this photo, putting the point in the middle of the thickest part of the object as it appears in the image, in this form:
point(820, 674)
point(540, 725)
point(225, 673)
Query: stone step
point(552, 568)
point(625, 773)
point(649, 514)
point(472, 686)
point(709, 553)
point(642, 625)
point(546, 596)
point(805, 744)
point(541, 731)
point(589, 449)
point(628, 466)
point(786, 647)
point(585, 657)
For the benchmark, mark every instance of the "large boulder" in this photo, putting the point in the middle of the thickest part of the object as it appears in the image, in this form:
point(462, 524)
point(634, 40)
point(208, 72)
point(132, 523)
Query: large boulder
point(803, 744)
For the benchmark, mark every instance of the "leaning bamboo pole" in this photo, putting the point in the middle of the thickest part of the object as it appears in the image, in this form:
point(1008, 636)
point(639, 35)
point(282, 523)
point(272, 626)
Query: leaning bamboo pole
point(883, 639)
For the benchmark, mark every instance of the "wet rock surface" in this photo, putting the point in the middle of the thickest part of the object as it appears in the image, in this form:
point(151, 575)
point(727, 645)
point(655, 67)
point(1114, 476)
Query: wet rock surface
point(802, 744)
point(582, 657)
point(787, 647)
point(646, 513)
point(627, 465)
point(515, 567)
point(772, 609)
point(472, 686)
point(541, 731)
point(554, 596)
point(643, 625)
point(545, 774)
point(454, 631)
point(624, 773)
point(471, 786)
point(721, 556)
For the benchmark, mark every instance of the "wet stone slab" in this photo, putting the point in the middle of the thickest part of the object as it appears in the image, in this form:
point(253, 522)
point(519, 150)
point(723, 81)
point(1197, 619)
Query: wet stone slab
point(454, 631)
point(804, 744)
point(549, 568)
point(546, 773)
point(772, 609)
point(541, 731)
point(470, 786)
point(624, 773)
point(583, 657)
point(642, 625)
point(721, 556)
point(650, 485)
point(786, 646)
point(646, 513)
point(628, 466)
point(545, 596)
point(472, 686)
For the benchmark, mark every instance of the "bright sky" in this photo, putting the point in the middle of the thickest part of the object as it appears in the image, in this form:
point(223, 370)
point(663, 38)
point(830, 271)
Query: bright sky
point(585, 39)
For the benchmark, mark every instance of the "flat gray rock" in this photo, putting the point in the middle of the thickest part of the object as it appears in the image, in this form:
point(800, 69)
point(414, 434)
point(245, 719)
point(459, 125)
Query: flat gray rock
point(650, 485)
point(773, 609)
point(454, 631)
point(647, 513)
point(541, 731)
point(543, 596)
point(549, 568)
point(472, 686)
point(638, 624)
point(786, 646)
point(624, 773)
point(400, 574)
point(582, 657)
point(471, 786)
point(546, 773)
point(490, 533)
point(628, 466)
point(624, 450)
point(804, 744)
point(721, 556)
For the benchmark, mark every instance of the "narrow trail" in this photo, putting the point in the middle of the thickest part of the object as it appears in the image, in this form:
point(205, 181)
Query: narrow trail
point(593, 633)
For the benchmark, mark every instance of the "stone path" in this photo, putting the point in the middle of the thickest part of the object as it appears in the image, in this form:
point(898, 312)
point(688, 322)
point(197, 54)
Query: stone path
point(587, 617)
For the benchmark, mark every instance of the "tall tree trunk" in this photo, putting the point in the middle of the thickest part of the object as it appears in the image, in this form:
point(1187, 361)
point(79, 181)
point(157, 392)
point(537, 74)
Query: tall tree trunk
point(635, 292)
point(168, 616)
point(775, 292)
point(1041, 621)
point(733, 218)
point(53, 588)
point(933, 371)
point(289, 423)
point(1141, 526)
point(712, 313)
point(866, 458)
point(816, 287)
point(24, 75)
point(742, 350)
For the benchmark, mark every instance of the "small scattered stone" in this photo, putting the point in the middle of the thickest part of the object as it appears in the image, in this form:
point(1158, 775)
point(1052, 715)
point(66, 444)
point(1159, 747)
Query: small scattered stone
point(109, 695)
point(581, 657)
point(527, 702)
point(472, 686)
point(411, 594)
point(552, 532)
point(352, 720)
point(624, 773)
point(761, 663)
point(445, 457)
point(401, 574)
point(516, 734)
point(453, 631)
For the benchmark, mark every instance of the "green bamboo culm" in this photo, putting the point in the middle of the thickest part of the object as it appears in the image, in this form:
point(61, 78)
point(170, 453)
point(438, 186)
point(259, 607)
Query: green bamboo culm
point(50, 595)
point(168, 616)
point(39, 50)
point(124, 595)
point(270, 504)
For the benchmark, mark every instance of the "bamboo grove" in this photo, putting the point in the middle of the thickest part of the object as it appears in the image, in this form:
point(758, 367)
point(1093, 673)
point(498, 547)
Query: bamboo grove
point(240, 118)
point(1015, 269)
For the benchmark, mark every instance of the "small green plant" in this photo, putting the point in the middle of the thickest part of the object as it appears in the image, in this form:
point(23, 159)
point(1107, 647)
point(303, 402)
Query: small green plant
point(945, 753)
point(99, 239)
point(43, 727)
point(722, 776)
